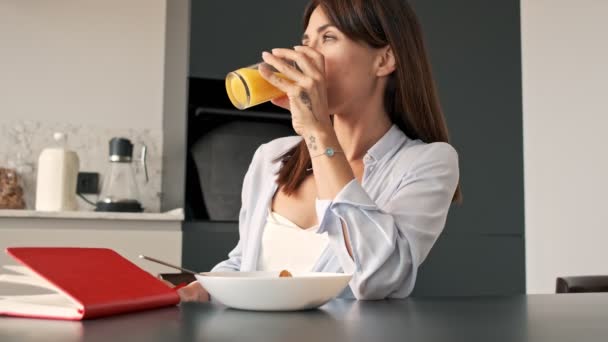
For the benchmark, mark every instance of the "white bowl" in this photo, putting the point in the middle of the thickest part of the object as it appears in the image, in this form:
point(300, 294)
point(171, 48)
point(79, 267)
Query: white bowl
point(266, 291)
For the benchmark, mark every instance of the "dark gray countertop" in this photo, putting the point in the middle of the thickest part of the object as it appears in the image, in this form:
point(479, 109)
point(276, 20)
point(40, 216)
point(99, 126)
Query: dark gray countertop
point(555, 318)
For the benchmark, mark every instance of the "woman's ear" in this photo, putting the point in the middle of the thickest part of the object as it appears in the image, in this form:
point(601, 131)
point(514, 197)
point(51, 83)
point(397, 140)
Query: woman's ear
point(386, 61)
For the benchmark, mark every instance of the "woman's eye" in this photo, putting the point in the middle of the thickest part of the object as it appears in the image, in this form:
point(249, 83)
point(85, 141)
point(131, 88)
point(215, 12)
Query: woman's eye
point(328, 37)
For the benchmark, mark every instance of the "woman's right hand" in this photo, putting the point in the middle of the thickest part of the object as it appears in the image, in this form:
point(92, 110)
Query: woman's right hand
point(282, 102)
point(193, 292)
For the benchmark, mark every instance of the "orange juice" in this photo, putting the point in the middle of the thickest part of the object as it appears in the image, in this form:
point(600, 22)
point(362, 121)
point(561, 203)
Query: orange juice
point(247, 88)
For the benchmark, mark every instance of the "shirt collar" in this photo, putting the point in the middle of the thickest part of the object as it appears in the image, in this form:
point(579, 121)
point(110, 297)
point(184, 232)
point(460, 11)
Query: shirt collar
point(392, 138)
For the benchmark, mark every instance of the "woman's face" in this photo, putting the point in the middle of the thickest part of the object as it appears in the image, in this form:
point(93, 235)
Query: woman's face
point(349, 66)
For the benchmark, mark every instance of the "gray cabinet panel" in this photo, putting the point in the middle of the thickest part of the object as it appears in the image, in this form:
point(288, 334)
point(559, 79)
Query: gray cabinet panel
point(206, 243)
point(475, 50)
point(229, 34)
point(473, 265)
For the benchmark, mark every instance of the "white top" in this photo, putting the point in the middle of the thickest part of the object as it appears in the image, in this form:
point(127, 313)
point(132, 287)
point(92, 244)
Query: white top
point(286, 246)
point(393, 217)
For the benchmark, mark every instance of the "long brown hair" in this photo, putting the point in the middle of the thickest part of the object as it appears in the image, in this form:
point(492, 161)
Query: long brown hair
point(410, 97)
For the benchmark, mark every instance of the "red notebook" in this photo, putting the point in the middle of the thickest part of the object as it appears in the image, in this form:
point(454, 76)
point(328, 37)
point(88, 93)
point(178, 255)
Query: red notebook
point(88, 283)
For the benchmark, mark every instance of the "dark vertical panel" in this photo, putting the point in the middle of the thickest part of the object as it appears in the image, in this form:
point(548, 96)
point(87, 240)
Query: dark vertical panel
point(205, 244)
point(230, 34)
point(475, 50)
point(473, 265)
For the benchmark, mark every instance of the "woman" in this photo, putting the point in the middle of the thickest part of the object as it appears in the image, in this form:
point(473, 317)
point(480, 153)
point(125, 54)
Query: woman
point(370, 172)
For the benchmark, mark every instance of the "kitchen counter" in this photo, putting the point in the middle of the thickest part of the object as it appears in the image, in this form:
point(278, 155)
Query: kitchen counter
point(158, 235)
point(173, 215)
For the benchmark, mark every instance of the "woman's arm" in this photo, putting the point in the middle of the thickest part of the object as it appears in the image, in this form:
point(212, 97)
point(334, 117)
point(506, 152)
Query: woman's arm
point(383, 247)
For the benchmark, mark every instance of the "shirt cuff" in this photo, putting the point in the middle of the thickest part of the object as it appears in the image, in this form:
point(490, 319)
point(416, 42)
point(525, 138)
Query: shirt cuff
point(354, 194)
point(331, 224)
point(329, 218)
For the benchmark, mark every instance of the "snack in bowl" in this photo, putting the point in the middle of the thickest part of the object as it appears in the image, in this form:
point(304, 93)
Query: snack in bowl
point(285, 274)
point(268, 291)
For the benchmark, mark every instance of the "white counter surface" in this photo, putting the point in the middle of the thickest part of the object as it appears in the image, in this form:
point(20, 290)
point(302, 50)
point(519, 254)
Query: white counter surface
point(173, 215)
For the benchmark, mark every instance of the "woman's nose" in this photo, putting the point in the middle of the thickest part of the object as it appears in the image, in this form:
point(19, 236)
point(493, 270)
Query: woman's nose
point(313, 43)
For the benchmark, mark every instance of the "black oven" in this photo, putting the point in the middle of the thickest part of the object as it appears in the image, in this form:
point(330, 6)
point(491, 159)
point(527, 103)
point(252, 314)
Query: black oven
point(220, 145)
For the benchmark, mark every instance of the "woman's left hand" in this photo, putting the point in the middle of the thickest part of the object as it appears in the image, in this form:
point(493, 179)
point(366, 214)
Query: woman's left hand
point(305, 87)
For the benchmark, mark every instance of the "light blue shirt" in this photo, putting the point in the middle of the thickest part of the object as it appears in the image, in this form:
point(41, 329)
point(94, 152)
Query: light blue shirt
point(393, 217)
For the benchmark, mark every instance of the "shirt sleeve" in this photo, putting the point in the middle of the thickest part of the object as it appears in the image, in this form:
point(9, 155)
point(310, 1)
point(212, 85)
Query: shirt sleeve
point(388, 244)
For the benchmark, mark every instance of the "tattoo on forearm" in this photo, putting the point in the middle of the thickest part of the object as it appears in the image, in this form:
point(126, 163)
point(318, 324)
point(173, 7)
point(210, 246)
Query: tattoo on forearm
point(306, 100)
point(312, 143)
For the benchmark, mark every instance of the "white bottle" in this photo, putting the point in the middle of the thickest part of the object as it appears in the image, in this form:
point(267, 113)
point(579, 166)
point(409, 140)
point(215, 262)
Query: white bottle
point(57, 174)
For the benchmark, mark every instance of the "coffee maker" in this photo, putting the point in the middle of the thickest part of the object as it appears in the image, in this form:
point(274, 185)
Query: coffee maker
point(119, 192)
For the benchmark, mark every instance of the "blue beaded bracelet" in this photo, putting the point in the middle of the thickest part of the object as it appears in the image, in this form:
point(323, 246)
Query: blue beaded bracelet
point(330, 152)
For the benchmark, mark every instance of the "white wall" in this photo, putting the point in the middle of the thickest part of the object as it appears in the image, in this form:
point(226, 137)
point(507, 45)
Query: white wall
point(565, 76)
point(99, 62)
